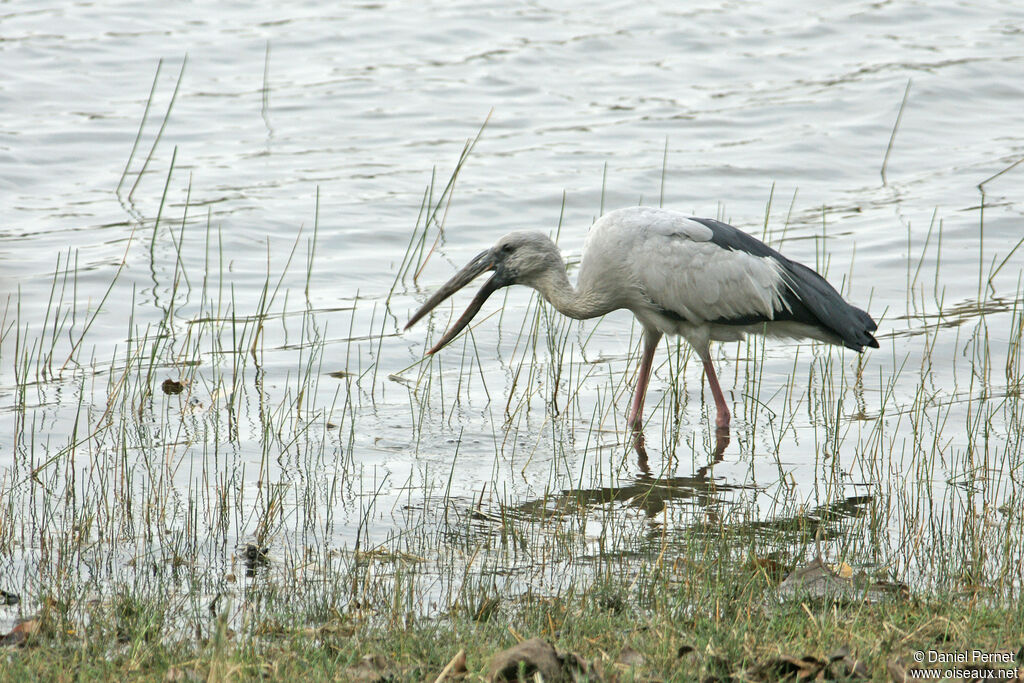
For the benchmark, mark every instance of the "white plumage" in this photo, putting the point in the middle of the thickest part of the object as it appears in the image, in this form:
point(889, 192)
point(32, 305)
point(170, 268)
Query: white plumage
point(694, 277)
point(671, 264)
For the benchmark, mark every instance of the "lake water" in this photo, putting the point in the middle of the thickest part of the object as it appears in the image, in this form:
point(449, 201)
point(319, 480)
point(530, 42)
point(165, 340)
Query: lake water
point(321, 126)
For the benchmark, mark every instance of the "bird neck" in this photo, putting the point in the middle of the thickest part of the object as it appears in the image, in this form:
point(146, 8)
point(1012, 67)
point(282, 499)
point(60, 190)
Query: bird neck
point(580, 302)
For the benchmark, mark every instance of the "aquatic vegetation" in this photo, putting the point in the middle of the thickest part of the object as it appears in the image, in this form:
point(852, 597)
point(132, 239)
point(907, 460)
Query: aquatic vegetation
point(221, 461)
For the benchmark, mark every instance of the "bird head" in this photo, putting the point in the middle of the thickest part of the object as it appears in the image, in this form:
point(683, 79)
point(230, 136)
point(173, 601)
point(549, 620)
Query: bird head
point(518, 258)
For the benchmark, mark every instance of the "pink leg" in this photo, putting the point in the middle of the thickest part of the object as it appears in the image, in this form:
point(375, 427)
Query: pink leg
point(636, 413)
point(722, 420)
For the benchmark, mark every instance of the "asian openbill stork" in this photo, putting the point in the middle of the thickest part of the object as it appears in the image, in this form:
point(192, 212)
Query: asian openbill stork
point(695, 277)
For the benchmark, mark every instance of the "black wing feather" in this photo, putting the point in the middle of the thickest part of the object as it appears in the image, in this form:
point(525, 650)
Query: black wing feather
point(809, 297)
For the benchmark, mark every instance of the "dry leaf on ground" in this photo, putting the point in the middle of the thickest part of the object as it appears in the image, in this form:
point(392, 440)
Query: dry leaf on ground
point(537, 656)
point(20, 634)
point(455, 669)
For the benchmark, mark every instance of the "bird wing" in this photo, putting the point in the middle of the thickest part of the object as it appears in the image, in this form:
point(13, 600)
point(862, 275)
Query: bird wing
point(681, 269)
point(701, 270)
point(807, 298)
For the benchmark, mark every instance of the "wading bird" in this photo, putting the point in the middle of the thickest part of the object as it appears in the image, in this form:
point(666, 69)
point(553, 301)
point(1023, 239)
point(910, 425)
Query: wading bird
point(694, 277)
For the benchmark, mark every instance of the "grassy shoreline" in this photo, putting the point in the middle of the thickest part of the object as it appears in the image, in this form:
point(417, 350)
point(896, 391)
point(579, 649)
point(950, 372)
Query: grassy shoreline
point(726, 628)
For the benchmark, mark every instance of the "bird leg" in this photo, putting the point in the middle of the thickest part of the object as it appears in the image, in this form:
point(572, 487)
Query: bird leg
point(722, 419)
point(643, 378)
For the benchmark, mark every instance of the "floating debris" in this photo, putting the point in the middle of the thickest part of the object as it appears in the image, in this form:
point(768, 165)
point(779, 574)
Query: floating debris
point(172, 387)
point(340, 374)
point(819, 581)
point(255, 557)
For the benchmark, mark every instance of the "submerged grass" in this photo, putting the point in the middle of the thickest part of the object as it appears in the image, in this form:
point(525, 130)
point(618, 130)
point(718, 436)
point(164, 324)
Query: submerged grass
point(219, 494)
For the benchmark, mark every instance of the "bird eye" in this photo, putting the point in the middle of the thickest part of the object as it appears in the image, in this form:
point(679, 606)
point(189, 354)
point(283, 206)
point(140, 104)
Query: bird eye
point(507, 248)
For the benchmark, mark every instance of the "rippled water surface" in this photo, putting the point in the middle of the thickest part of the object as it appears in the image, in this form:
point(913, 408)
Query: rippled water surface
point(310, 419)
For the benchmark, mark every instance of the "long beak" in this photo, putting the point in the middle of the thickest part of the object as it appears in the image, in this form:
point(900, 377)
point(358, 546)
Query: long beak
point(483, 262)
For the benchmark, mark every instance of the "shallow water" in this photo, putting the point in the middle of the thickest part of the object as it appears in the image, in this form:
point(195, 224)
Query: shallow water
point(774, 117)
